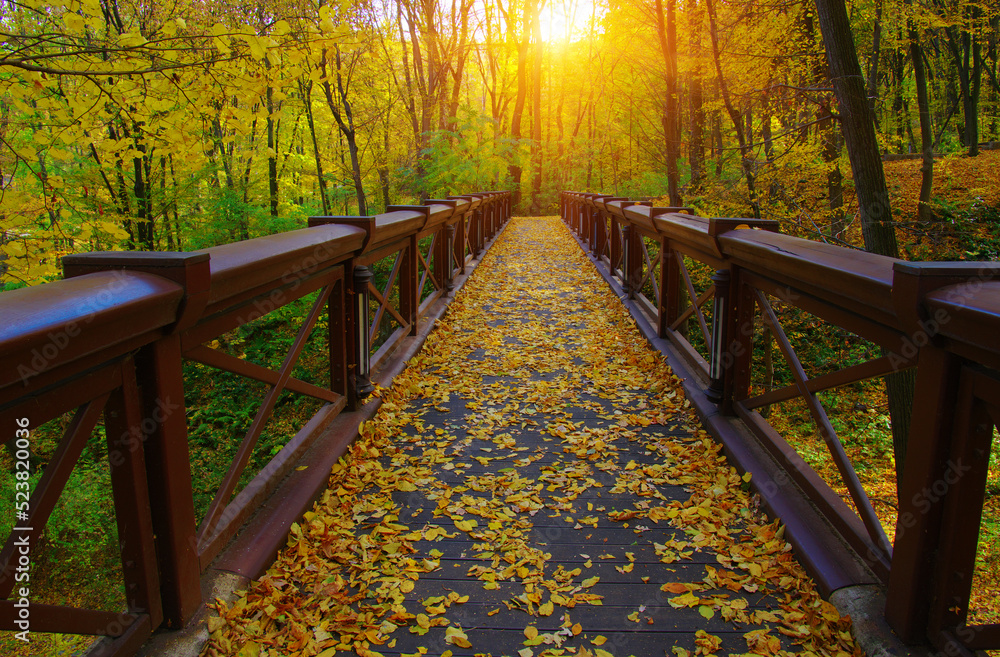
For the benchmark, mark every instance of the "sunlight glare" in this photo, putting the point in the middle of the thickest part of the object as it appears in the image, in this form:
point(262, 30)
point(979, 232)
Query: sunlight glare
point(566, 20)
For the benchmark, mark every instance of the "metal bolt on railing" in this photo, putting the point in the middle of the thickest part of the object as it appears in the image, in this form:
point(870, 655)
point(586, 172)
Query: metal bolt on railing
point(721, 281)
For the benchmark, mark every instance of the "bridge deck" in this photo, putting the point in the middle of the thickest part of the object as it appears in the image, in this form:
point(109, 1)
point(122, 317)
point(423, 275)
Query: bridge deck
point(533, 482)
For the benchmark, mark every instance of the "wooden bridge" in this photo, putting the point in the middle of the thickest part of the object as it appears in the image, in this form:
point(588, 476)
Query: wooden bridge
point(538, 478)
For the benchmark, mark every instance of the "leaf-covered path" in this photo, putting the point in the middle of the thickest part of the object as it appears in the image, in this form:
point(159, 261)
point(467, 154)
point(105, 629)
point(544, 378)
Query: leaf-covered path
point(534, 484)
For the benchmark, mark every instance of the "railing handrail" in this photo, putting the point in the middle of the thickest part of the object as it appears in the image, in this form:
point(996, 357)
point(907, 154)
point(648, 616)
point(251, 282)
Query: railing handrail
point(857, 281)
point(58, 324)
point(974, 320)
point(120, 353)
point(941, 318)
point(268, 261)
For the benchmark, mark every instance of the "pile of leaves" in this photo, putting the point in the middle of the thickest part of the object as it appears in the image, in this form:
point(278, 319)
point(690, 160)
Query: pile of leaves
point(535, 418)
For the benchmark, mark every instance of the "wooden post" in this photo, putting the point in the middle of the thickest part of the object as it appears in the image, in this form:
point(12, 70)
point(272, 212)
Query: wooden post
point(168, 472)
point(627, 255)
point(633, 255)
point(409, 282)
point(461, 241)
point(160, 379)
point(918, 525)
point(442, 259)
point(602, 233)
point(740, 340)
point(123, 419)
point(961, 489)
point(480, 235)
point(595, 219)
point(362, 387)
point(338, 336)
point(493, 216)
point(670, 287)
point(449, 256)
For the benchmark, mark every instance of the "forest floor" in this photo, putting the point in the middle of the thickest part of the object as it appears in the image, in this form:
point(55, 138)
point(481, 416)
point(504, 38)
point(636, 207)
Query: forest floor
point(965, 204)
point(959, 182)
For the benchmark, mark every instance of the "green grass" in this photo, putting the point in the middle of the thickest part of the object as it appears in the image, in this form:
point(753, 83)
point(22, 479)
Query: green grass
point(76, 561)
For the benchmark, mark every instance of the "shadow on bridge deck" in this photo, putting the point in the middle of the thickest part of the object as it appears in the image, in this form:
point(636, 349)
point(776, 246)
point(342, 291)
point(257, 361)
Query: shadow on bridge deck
point(534, 483)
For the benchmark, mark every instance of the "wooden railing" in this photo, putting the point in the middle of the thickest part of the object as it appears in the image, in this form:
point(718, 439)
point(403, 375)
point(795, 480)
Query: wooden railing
point(942, 318)
point(110, 340)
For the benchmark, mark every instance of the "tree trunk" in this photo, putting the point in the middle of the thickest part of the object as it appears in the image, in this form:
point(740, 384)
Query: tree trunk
point(244, 216)
point(383, 167)
point(972, 117)
point(426, 86)
point(165, 205)
point(926, 135)
point(717, 142)
point(460, 57)
point(857, 123)
point(590, 140)
point(829, 139)
point(345, 121)
point(143, 199)
point(696, 158)
point(560, 164)
point(901, 106)
point(746, 153)
point(272, 156)
point(876, 51)
point(173, 203)
point(536, 113)
point(666, 31)
point(965, 47)
point(409, 99)
point(522, 92)
point(992, 57)
point(834, 178)
point(306, 91)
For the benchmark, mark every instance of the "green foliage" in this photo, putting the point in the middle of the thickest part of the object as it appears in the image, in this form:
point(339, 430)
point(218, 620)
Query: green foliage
point(80, 541)
point(977, 228)
point(649, 184)
point(221, 405)
point(471, 156)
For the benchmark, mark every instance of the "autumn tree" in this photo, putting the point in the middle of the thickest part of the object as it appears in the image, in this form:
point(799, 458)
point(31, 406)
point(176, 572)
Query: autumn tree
point(858, 126)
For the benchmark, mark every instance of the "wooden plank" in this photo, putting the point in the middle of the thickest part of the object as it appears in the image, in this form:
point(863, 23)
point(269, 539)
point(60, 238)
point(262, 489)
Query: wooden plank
point(510, 449)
